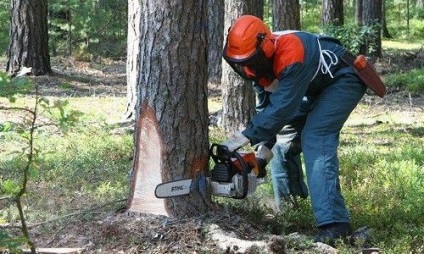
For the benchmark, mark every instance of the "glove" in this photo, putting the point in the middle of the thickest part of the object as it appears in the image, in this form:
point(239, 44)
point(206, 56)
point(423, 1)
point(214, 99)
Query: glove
point(263, 156)
point(236, 141)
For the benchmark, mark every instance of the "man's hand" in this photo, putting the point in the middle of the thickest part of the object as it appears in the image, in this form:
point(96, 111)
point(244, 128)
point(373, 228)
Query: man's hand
point(263, 156)
point(236, 141)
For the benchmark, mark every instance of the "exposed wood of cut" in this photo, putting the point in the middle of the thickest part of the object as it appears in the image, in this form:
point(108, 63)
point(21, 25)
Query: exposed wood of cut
point(147, 166)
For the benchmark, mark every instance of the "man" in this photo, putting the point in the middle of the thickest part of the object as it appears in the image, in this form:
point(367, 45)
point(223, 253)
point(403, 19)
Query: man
point(288, 67)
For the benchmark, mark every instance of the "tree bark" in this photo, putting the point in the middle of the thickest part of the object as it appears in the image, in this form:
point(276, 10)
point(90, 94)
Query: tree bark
point(28, 45)
point(372, 18)
point(286, 15)
point(69, 30)
point(257, 8)
point(385, 30)
point(215, 39)
point(359, 12)
point(332, 12)
point(238, 96)
point(171, 141)
point(133, 57)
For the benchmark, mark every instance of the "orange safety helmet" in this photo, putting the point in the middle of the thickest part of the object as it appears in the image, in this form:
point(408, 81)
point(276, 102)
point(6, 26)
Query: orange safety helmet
point(245, 37)
point(249, 49)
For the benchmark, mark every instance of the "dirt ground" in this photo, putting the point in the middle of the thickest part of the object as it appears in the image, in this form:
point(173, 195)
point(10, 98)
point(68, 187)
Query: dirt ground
point(222, 232)
point(117, 231)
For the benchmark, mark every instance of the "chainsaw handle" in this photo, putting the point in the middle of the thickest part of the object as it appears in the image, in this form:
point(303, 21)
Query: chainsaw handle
point(220, 154)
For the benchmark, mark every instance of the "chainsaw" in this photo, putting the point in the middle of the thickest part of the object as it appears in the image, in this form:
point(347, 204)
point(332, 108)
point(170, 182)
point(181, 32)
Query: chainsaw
point(235, 175)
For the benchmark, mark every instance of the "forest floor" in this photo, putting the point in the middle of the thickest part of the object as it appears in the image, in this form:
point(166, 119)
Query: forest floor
point(221, 232)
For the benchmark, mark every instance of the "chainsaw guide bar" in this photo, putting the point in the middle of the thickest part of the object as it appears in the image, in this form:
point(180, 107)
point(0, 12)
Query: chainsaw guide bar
point(173, 188)
point(234, 175)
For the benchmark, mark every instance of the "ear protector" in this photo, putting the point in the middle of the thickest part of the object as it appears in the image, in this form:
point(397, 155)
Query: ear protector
point(266, 45)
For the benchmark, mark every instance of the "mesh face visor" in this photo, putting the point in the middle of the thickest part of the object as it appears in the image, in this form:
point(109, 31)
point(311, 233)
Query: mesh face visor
point(252, 68)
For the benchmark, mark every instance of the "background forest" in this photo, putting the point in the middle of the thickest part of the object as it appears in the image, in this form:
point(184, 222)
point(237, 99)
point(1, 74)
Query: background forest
point(81, 152)
point(90, 28)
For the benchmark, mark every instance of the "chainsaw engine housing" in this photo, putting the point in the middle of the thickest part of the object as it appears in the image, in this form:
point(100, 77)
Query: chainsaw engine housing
point(231, 176)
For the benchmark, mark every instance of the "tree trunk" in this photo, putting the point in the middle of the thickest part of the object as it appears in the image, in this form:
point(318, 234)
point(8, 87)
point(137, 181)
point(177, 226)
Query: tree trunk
point(215, 39)
point(407, 16)
point(385, 31)
point(133, 57)
point(332, 12)
point(419, 9)
point(257, 8)
point(359, 12)
point(286, 15)
point(171, 141)
point(238, 96)
point(372, 18)
point(69, 31)
point(28, 45)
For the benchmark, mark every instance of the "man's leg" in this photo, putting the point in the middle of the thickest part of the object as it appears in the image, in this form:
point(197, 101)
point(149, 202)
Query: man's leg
point(286, 166)
point(279, 168)
point(320, 140)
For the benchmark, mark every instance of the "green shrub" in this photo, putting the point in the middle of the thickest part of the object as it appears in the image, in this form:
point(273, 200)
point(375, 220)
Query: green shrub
point(412, 80)
point(353, 36)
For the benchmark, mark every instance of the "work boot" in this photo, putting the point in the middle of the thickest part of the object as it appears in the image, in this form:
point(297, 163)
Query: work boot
point(330, 233)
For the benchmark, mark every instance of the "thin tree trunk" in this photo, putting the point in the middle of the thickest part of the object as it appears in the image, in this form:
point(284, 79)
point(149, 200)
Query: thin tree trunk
point(385, 31)
point(69, 31)
point(238, 96)
point(359, 12)
point(257, 8)
point(372, 18)
point(407, 15)
point(332, 12)
point(286, 15)
point(215, 39)
point(28, 45)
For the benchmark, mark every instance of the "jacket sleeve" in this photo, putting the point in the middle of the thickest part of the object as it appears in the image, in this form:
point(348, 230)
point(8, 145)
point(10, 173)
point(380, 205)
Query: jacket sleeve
point(282, 106)
point(261, 103)
point(262, 97)
point(295, 63)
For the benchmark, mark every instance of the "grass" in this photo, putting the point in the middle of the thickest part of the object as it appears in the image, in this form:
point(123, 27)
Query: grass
point(384, 181)
point(402, 45)
point(85, 166)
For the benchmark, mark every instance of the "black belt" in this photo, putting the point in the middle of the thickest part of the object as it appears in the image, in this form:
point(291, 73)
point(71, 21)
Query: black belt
point(348, 58)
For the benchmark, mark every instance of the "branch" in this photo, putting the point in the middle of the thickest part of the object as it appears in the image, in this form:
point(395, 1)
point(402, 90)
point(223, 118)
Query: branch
point(17, 108)
point(65, 216)
point(77, 213)
point(5, 197)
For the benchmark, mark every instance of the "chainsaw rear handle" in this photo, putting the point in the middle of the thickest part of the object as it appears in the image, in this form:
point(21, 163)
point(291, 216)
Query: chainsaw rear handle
point(220, 154)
